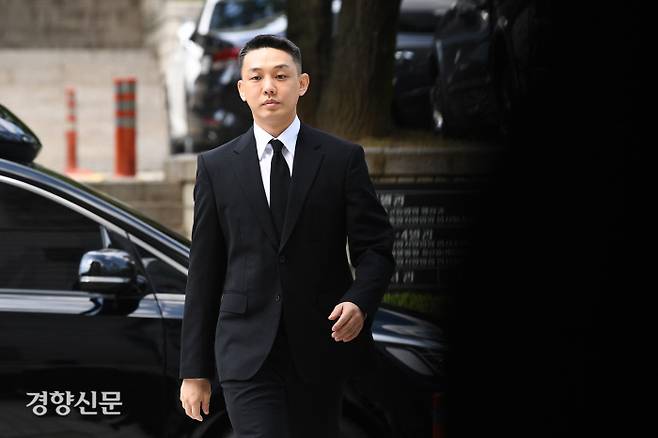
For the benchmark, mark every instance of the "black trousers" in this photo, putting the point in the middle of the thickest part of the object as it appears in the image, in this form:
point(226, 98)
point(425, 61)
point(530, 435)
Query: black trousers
point(275, 403)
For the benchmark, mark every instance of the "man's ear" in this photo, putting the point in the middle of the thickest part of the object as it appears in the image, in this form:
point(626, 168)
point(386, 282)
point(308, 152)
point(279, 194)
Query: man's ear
point(304, 82)
point(242, 96)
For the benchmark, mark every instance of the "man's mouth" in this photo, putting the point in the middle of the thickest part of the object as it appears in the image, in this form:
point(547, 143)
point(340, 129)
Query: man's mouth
point(271, 102)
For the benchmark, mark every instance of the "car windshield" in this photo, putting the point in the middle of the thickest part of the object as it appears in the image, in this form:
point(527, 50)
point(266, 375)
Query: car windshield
point(172, 234)
point(234, 15)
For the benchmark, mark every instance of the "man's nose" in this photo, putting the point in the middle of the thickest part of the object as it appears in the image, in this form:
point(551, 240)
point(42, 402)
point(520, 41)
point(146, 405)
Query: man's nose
point(268, 86)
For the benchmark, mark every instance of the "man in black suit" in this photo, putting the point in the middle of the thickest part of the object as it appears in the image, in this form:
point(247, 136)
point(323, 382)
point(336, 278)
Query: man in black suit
point(271, 300)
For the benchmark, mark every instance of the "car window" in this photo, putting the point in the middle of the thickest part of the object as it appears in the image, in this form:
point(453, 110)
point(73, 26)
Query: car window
point(231, 15)
point(116, 203)
point(161, 274)
point(421, 16)
point(42, 241)
point(417, 21)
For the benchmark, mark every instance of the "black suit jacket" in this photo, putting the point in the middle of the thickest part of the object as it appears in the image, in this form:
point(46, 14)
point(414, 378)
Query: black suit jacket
point(241, 276)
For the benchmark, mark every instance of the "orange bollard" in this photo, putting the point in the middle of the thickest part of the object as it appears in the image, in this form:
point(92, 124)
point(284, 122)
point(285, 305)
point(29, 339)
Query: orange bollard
point(125, 154)
point(71, 134)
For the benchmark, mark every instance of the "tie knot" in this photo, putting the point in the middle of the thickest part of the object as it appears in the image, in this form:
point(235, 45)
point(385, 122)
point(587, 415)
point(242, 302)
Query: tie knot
point(277, 145)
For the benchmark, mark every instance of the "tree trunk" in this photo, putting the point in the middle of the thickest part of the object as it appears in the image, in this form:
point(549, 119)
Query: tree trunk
point(309, 26)
point(356, 98)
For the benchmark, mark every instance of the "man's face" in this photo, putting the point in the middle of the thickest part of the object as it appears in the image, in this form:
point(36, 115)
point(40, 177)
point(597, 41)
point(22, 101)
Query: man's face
point(271, 86)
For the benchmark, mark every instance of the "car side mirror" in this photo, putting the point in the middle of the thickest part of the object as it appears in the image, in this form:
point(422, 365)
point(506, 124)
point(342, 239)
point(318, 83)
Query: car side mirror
point(17, 141)
point(199, 39)
point(108, 270)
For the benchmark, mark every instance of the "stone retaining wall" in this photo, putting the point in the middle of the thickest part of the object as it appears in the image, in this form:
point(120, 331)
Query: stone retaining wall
point(386, 165)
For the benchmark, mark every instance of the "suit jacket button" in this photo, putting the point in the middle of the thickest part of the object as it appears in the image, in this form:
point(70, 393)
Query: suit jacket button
point(277, 297)
point(282, 259)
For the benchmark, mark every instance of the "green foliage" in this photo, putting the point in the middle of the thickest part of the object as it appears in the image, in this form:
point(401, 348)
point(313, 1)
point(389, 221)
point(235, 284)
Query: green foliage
point(428, 304)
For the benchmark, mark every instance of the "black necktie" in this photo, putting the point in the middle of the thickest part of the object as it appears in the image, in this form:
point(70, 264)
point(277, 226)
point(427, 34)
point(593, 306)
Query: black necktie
point(279, 183)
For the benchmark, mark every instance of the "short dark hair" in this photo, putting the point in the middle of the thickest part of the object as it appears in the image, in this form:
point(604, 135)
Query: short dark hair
point(274, 42)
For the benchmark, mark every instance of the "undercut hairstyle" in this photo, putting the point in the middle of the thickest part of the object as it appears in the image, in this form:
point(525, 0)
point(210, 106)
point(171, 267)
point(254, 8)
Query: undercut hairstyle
point(273, 42)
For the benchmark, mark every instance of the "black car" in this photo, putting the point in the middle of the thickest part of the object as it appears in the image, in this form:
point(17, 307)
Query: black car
point(91, 302)
point(520, 58)
point(488, 58)
point(414, 61)
point(463, 94)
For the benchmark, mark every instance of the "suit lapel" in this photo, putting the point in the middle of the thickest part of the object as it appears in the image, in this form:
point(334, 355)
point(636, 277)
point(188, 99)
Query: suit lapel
point(247, 172)
point(306, 163)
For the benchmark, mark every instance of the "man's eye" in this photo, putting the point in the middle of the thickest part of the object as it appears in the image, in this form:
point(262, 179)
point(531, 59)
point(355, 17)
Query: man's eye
point(281, 76)
point(254, 78)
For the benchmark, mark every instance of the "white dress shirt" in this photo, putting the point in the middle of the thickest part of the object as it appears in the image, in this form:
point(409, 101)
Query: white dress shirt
point(266, 152)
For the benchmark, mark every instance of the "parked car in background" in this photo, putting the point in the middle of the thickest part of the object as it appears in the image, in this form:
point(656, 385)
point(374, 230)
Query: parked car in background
point(463, 94)
point(91, 302)
point(488, 57)
point(215, 113)
point(520, 57)
point(414, 65)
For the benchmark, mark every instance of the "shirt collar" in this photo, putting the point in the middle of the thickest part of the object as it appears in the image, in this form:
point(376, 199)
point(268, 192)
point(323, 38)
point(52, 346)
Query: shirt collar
point(287, 137)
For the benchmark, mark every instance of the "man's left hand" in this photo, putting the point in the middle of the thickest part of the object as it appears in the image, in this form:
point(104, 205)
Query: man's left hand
point(350, 321)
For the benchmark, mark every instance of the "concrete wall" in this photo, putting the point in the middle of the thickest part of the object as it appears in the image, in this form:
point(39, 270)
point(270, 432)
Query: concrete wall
point(385, 165)
point(160, 200)
point(170, 200)
point(48, 45)
point(163, 37)
point(33, 83)
point(71, 23)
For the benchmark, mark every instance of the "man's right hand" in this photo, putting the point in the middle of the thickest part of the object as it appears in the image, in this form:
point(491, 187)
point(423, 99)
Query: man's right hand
point(195, 392)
